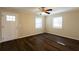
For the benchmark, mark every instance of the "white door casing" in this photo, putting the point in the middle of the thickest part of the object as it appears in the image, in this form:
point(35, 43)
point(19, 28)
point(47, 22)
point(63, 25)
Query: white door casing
point(9, 28)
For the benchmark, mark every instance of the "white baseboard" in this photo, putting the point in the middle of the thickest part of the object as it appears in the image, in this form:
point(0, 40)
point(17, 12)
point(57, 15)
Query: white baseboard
point(65, 36)
point(40, 33)
point(21, 37)
point(30, 35)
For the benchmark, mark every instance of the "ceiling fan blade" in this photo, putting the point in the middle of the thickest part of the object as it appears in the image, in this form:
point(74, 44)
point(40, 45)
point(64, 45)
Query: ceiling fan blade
point(49, 10)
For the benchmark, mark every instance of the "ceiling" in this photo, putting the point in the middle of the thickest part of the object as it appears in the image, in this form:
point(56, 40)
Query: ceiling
point(37, 10)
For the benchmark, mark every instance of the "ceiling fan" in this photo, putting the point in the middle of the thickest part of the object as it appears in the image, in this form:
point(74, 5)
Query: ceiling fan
point(45, 10)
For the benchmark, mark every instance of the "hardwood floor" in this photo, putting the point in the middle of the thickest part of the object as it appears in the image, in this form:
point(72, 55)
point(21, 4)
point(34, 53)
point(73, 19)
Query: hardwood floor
point(41, 42)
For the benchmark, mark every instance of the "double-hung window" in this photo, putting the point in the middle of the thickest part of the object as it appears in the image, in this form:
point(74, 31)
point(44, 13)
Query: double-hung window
point(38, 22)
point(57, 22)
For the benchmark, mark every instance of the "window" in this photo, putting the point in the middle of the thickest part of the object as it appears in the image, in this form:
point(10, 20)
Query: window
point(38, 22)
point(10, 18)
point(57, 22)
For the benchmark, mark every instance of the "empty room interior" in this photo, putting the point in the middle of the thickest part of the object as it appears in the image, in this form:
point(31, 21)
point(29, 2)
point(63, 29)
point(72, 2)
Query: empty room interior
point(39, 29)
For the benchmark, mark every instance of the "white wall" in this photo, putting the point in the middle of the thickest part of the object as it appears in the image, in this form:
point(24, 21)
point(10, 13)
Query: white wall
point(70, 24)
point(0, 29)
point(26, 23)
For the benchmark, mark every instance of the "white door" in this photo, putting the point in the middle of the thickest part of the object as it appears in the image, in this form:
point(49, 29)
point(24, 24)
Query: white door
point(9, 27)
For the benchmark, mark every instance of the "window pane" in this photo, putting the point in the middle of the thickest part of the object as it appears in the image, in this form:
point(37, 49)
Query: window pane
point(57, 22)
point(13, 17)
point(38, 25)
point(38, 22)
point(10, 18)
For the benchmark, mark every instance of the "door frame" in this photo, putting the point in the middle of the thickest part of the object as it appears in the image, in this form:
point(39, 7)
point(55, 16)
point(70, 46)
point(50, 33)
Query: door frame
point(3, 14)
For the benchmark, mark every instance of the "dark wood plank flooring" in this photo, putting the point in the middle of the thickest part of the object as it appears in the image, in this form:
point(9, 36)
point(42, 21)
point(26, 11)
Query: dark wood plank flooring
point(41, 42)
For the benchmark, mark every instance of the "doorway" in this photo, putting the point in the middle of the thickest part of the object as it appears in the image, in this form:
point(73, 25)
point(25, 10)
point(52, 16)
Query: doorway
point(9, 26)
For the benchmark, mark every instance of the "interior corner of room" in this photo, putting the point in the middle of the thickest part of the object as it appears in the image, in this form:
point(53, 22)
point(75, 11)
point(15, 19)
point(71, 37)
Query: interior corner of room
point(25, 25)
